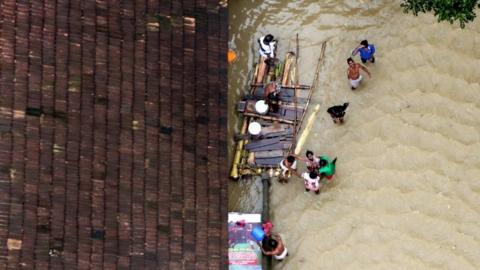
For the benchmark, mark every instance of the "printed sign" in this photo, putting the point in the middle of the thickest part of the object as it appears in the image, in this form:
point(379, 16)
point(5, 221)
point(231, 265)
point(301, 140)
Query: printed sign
point(243, 251)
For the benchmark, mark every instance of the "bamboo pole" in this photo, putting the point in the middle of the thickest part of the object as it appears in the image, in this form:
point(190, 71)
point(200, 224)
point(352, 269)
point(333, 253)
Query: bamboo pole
point(238, 152)
point(271, 118)
point(315, 78)
point(295, 93)
point(286, 70)
point(307, 129)
point(312, 116)
point(303, 87)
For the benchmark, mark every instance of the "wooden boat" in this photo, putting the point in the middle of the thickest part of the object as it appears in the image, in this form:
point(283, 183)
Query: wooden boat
point(278, 129)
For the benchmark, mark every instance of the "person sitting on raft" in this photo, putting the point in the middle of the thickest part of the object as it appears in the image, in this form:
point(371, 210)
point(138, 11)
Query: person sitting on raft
point(312, 162)
point(337, 112)
point(272, 96)
point(272, 245)
point(267, 46)
point(288, 166)
point(312, 182)
point(327, 167)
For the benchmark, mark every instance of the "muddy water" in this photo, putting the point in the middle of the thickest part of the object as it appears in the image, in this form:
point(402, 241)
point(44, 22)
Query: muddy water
point(407, 190)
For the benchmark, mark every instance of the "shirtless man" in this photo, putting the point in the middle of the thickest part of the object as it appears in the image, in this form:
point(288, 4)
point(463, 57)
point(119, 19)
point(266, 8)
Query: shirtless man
point(353, 73)
point(273, 246)
point(271, 96)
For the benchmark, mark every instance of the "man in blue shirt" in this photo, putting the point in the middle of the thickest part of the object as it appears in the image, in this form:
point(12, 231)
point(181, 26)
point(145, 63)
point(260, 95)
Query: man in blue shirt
point(366, 51)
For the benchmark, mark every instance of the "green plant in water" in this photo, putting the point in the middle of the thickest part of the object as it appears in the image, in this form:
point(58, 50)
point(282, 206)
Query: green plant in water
point(462, 11)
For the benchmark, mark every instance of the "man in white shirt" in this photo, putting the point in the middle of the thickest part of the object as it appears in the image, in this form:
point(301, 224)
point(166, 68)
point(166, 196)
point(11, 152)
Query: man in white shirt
point(288, 166)
point(312, 182)
point(267, 46)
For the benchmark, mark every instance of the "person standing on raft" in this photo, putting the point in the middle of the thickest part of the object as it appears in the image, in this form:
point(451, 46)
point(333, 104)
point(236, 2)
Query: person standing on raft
point(353, 73)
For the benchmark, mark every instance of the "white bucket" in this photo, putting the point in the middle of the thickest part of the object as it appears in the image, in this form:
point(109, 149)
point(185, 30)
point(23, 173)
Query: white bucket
point(254, 128)
point(261, 107)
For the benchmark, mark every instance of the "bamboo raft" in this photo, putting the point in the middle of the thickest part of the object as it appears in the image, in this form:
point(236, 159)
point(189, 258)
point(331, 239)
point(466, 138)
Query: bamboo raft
point(279, 130)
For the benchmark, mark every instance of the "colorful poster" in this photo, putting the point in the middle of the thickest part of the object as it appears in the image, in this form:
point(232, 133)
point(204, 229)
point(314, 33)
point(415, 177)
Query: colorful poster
point(243, 252)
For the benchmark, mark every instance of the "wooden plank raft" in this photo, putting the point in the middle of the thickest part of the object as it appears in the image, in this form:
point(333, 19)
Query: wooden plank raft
point(279, 128)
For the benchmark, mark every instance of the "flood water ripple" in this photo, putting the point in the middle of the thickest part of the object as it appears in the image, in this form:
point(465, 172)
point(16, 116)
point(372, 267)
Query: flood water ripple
point(407, 190)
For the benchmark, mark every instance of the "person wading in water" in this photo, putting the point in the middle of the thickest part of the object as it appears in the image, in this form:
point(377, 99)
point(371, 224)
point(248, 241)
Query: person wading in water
point(353, 73)
point(338, 112)
point(366, 51)
point(288, 166)
point(273, 245)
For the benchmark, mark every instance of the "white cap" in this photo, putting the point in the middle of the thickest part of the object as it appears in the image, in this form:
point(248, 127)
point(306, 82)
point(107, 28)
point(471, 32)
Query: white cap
point(254, 128)
point(261, 107)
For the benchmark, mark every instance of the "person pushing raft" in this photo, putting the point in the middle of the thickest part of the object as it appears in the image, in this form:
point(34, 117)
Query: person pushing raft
point(327, 167)
point(337, 112)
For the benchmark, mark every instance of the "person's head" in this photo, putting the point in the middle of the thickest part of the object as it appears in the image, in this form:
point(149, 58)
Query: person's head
point(309, 154)
point(345, 105)
point(268, 38)
point(350, 61)
point(313, 175)
point(323, 163)
point(364, 43)
point(291, 159)
point(269, 244)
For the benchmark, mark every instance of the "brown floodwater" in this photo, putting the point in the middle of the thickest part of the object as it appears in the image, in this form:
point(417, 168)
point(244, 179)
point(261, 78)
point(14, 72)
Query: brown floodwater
point(407, 190)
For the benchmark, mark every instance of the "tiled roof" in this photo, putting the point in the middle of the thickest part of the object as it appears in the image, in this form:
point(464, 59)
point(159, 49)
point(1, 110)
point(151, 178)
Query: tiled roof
point(113, 134)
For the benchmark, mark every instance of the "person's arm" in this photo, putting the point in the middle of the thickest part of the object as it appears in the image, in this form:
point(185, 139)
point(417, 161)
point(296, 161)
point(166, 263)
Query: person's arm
point(272, 49)
point(268, 253)
point(372, 48)
point(355, 51)
point(366, 70)
point(299, 157)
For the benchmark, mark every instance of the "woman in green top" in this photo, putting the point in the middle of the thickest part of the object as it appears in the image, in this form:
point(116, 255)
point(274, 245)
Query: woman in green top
point(327, 167)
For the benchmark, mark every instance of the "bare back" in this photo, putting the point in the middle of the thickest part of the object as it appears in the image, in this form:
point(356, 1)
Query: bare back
point(269, 88)
point(280, 248)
